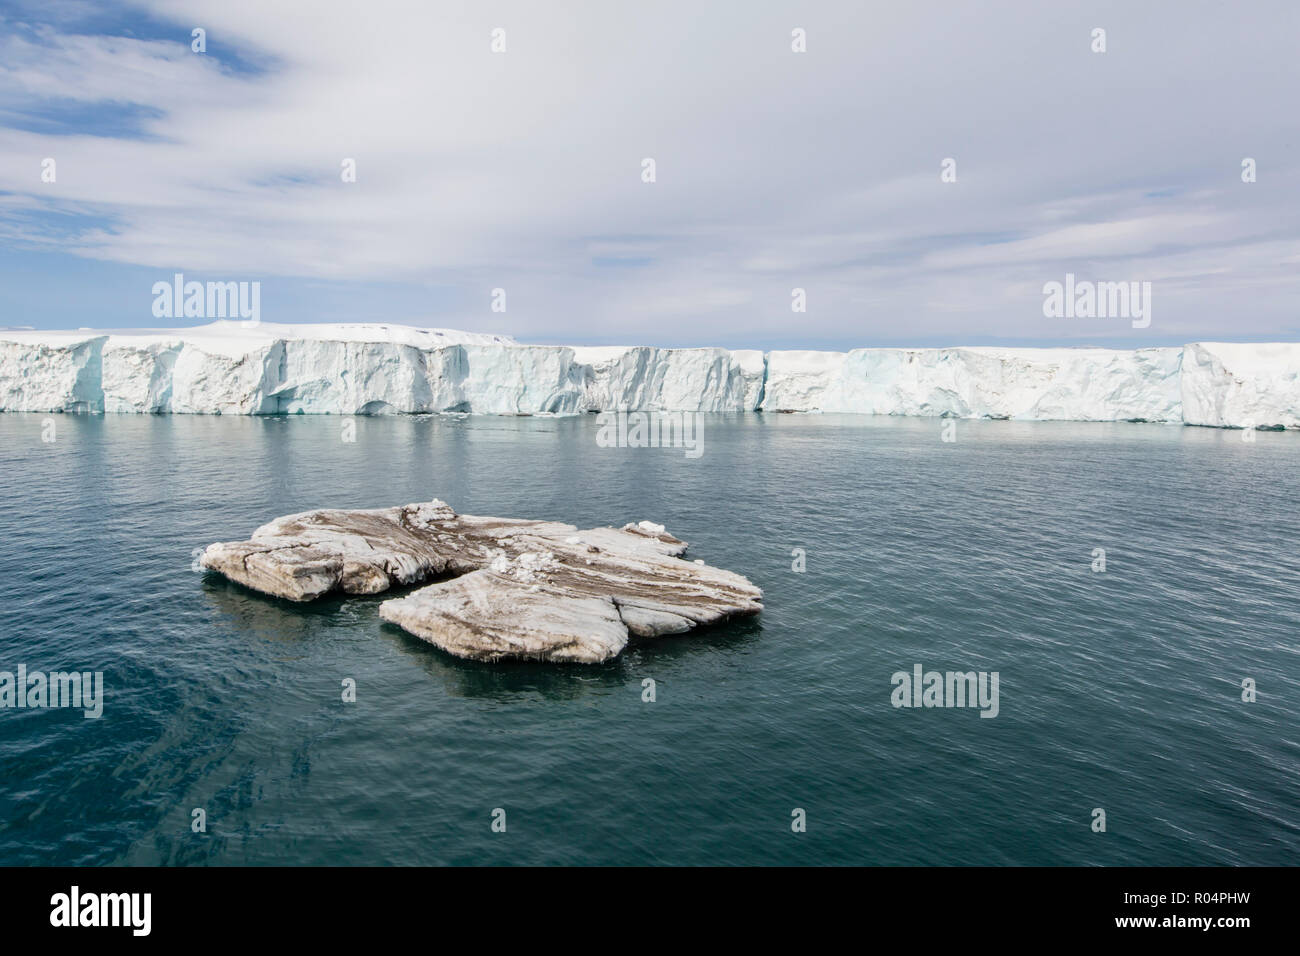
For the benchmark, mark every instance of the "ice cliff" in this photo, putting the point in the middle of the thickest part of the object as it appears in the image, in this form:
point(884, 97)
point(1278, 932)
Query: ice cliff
point(227, 368)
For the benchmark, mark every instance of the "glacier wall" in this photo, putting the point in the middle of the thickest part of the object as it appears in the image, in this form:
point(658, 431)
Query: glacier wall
point(225, 368)
point(1032, 384)
point(1241, 386)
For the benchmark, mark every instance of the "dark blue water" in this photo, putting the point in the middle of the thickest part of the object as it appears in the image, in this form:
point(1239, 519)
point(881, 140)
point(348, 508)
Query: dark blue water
point(1119, 690)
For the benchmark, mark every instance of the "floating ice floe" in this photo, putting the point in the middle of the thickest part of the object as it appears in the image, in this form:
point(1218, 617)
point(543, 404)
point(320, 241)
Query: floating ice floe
point(510, 587)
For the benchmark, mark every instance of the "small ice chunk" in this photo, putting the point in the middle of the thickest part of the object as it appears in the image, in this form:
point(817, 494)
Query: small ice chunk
point(649, 527)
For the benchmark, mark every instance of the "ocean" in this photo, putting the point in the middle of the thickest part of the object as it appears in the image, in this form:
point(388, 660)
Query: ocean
point(880, 547)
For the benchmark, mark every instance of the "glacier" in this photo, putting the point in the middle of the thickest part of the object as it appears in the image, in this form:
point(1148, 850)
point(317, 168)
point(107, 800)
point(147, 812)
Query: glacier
point(229, 367)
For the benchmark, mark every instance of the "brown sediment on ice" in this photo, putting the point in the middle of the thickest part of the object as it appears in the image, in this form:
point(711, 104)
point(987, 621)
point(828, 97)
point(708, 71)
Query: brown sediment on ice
point(518, 588)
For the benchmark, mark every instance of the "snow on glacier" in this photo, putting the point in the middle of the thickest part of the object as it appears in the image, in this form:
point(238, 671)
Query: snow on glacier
point(228, 367)
point(1243, 386)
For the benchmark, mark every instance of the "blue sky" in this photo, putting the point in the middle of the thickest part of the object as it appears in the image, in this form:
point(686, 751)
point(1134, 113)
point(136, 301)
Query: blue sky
point(775, 170)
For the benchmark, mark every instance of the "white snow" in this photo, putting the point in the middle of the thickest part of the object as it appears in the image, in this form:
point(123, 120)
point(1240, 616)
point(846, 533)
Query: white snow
point(234, 338)
point(1242, 386)
point(230, 368)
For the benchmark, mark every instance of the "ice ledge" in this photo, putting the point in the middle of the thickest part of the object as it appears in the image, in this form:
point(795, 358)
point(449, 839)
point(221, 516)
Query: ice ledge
point(363, 369)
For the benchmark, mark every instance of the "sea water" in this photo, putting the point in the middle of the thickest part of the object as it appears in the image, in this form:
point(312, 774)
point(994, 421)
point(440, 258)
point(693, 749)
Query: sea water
point(1135, 588)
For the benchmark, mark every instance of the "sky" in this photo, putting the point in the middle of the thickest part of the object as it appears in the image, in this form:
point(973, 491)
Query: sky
point(523, 169)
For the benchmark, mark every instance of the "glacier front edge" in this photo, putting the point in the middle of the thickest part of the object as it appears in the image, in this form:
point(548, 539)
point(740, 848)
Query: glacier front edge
point(366, 369)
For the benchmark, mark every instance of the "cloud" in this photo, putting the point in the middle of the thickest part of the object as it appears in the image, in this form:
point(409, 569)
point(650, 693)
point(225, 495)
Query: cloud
point(818, 170)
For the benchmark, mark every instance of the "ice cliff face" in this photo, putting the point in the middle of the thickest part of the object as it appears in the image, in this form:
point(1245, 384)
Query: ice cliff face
point(1041, 384)
point(226, 368)
point(1242, 386)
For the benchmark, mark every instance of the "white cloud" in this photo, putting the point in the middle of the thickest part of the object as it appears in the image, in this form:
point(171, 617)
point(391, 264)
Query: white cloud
point(775, 169)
